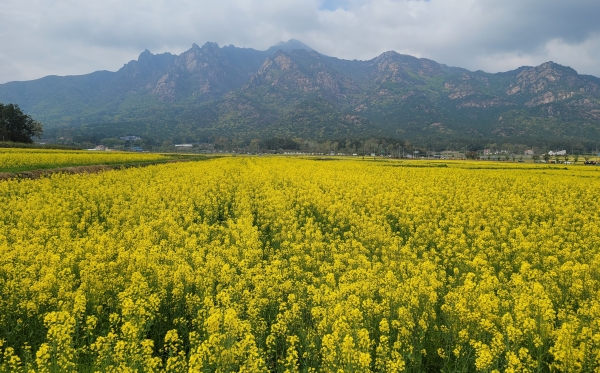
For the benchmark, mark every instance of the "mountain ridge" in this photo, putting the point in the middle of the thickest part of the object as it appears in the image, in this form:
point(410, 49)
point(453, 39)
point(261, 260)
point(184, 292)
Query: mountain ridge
point(292, 90)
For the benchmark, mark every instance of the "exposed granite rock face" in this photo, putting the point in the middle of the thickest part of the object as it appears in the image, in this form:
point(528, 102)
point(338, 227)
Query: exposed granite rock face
point(456, 95)
point(537, 79)
point(593, 114)
point(395, 67)
point(546, 98)
point(196, 59)
point(205, 73)
point(361, 107)
point(284, 72)
point(354, 119)
point(483, 103)
point(551, 76)
point(198, 72)
point(281, 72)
point(284, 61)
point(513, 90)
point(459, 91)
point(165, 88)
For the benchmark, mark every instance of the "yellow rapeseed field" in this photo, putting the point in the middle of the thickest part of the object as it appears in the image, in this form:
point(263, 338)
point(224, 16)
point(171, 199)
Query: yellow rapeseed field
point(289, 265)
point(17, 159)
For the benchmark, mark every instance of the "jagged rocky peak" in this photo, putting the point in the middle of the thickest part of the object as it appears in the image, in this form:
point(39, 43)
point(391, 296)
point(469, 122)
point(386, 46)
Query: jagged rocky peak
point(398, 57)
point(539, 78)
point(197, 58)
point(145, 55)
point(209, 45)
point(148, 63)
point(387, 55)
point(548, 70)
point(394, 62)
point(388, 61)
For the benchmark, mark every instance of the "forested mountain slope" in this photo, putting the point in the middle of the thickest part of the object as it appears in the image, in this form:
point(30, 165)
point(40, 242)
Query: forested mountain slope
point(292, 90)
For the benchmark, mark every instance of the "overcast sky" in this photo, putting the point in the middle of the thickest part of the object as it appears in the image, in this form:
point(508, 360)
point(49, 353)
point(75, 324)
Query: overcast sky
point(69, 37)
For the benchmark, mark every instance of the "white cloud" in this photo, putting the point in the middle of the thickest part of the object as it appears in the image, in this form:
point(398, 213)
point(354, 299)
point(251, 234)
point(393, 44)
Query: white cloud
point(42, 37)
point(584, 55)
point(7, 67)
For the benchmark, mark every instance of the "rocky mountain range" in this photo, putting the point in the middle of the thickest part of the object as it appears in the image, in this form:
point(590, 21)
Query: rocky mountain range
point(291, 90)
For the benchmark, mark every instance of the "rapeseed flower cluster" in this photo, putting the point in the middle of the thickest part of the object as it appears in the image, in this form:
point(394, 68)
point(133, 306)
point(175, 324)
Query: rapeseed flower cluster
point(290, 265)
point(16, 159)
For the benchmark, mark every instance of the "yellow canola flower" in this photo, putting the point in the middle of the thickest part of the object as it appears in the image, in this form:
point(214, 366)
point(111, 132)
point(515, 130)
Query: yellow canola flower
point(21, 159)
point(299, 265)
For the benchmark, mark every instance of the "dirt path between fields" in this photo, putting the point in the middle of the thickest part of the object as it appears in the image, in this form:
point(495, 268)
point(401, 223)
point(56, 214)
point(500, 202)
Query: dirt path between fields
point(36, 174)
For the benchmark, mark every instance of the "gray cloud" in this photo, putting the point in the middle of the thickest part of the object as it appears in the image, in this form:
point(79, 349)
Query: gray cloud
point(43, 37)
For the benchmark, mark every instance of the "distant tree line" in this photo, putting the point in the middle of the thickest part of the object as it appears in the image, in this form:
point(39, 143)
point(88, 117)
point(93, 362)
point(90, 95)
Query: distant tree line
point(277, 143)
point(17, 126)
point(472, 148)
point(158, 136)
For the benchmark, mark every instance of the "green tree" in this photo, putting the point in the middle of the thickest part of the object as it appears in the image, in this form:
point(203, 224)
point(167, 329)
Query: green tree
point(546, 157)
point(575, 158)
point(16, 126)
point(472, 155)
point(255, 146)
